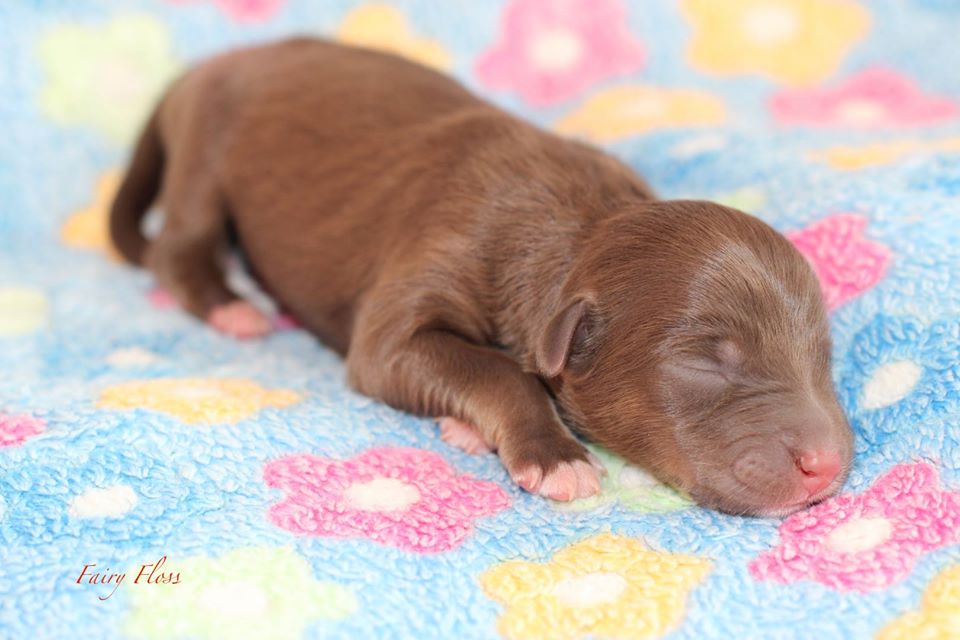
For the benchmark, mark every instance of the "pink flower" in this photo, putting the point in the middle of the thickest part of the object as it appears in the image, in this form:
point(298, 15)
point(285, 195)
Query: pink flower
point(846, 263)
point(550, 50)
point(243, 10)
point(15, 430)
point(400, 497)
point(876, 97)
point(868, 541)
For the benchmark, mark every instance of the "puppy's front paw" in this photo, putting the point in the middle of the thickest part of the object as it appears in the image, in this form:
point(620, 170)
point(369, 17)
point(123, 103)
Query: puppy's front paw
point(567, 481)
point(239, 319)
point(564, 472)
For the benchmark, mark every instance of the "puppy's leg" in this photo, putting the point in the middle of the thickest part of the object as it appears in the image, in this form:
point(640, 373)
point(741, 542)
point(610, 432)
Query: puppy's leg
point(188, 255)
point(438, 373)
point(464, 436)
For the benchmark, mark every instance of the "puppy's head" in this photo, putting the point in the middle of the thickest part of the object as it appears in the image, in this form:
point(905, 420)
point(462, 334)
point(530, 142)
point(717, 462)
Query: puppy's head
point(692, 339)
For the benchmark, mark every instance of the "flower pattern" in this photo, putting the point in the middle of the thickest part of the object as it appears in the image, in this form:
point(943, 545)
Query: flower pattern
point(895, 369)
point(626, 111)
point(792, 41)
point(88, 227)
point(699, 146)
point(133, 357)
point(107, 502)
point(197, 400)
point(249, 592)
point(875, 154)
point(108, 76)
point(750, 199)
point(876, 97)
point(939, 613)
point(380, 26)
point(629, 486)
point(400, 497)
point(23, 310)
point(846, 263)
point(245, 11)
point(849, 142)
point(868, 541)
point(551, 51)
point(606, 586)
point(15, 430)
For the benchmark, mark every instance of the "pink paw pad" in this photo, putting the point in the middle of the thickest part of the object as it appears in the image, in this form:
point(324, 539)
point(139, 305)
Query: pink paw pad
point(161, 299)
point(568, 481)
point(285, 322)
point(463, 436)
point(239, 319)
point(571, 480)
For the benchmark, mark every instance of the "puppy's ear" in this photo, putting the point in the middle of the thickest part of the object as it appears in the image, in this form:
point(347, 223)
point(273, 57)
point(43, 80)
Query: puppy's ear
point(568, 338)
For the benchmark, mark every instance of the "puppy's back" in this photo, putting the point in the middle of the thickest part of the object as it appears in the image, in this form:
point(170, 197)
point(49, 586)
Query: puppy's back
point(323, 82)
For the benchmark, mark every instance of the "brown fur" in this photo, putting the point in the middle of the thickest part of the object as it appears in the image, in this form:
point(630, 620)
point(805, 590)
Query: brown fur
point(470, 265)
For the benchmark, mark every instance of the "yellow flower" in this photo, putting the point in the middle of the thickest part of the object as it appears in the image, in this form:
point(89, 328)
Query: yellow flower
point(106, 76)
point(625, 111)
point(607, 586)
point(197, 400)
point(87, 228)
point(880, 153)
point(939, 614)
point(380, 26)
point(793, 41)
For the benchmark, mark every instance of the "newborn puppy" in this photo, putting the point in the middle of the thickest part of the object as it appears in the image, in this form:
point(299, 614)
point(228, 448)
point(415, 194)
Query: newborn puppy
point(476, 269)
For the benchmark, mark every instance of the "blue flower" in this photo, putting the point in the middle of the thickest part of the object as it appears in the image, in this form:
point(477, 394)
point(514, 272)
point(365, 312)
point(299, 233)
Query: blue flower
point(898, 382)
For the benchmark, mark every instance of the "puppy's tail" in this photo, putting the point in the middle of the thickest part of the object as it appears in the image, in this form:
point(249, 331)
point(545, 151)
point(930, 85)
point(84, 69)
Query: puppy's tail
point(137, 193)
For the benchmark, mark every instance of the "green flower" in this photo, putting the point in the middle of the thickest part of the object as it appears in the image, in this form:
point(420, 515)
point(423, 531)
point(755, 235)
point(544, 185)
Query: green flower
point(106, 76)
point(251, 592)
point(749, 199)
point(23, 310)
point(632, 487)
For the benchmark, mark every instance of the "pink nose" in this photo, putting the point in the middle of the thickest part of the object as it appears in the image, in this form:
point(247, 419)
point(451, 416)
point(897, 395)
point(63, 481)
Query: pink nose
point(819, 469)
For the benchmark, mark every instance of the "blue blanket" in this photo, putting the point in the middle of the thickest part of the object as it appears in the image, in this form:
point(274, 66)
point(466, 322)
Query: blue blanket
point(158, 480)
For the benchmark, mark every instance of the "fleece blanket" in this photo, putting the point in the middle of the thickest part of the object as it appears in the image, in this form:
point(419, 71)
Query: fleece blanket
point(160, 481)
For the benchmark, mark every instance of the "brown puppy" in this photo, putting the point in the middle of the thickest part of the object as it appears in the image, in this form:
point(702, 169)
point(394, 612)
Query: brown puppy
point(475, 268)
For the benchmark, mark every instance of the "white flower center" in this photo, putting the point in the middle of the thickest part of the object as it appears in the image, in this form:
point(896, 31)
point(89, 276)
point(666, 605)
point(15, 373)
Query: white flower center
point(590, 590)
point(642, 108)
point(132, 357)
point(770, 25)
point(699, 145)
point(198, 392)
point(859, 535)
point(242, 599)
point(555, 49)
point(861, 112)
point(121, 80)
point(109, 502)
point(382, 494)
point(890, 383)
